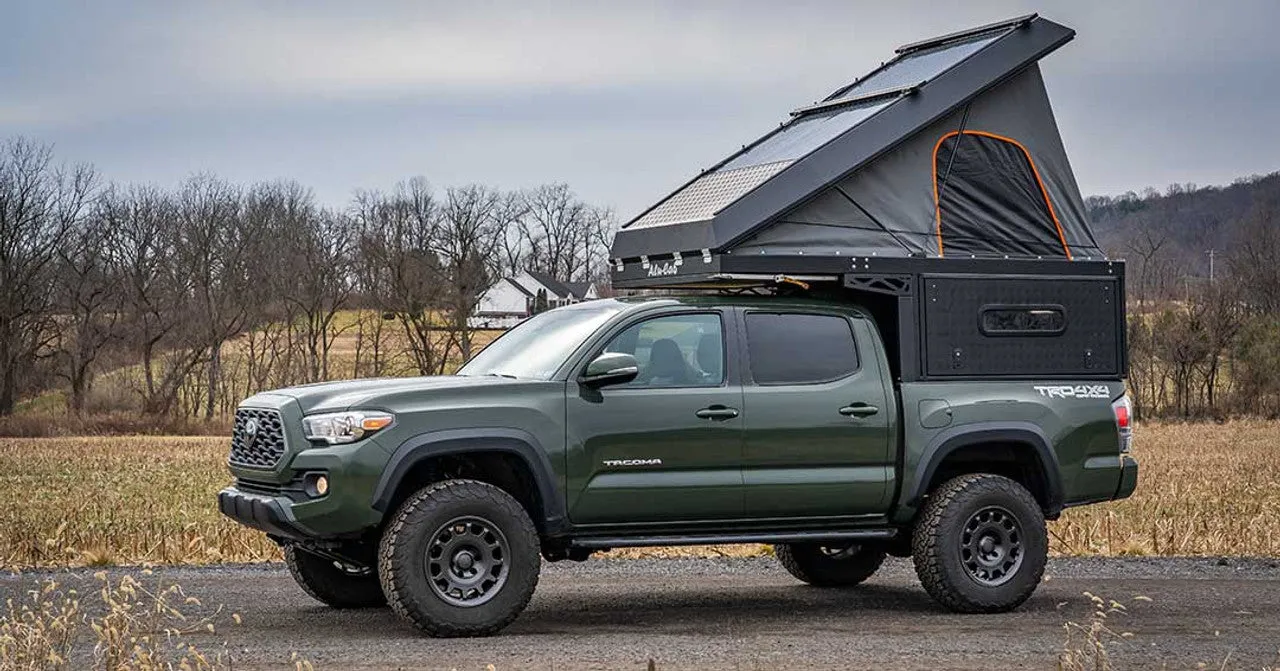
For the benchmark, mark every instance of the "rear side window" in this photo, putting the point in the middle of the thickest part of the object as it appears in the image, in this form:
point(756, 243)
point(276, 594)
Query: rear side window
point(998, 320)
point(798, 348)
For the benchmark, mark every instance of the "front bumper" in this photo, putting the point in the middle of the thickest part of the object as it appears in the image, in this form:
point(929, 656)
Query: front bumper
point(264, 513)
point(1128, 477)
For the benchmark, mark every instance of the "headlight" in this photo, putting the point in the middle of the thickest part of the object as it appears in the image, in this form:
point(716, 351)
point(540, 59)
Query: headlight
point(344, 427)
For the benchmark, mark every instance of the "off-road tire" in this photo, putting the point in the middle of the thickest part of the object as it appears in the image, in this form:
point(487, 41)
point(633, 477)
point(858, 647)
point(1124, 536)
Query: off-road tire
point(403, 558)
point(330, 585)
point(937, 544)
point(808, 563)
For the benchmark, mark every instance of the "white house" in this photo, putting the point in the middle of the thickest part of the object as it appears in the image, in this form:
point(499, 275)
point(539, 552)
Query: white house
point(513, 299)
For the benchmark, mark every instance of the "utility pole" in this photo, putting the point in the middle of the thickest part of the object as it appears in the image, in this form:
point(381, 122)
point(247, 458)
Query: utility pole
point(1211, 266)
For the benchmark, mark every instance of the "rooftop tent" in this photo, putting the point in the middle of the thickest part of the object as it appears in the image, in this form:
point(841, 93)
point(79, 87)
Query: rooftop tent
point(950, 150)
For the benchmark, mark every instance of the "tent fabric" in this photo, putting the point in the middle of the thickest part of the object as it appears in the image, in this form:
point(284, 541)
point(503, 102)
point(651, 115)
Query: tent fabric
point(889, 206)
point(949, 149)
point(980, 177)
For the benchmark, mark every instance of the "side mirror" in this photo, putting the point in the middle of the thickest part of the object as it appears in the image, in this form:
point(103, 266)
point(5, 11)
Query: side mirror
point(611, 368)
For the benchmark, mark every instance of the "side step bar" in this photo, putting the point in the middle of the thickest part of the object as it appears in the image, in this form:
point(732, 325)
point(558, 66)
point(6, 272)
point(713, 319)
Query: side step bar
point(600, 542)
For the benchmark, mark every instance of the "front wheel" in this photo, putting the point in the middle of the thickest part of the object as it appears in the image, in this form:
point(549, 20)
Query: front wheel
point(830, 565)
point(980, 545)
point(331, 583)
point(460, 558)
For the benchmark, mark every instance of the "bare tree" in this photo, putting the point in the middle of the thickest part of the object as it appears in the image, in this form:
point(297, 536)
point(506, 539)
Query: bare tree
point(315, 251)
point(38, 204)
point(88, 294)
point(562, 233)
point(473, 220)
point(157, 290)
point(400, 265)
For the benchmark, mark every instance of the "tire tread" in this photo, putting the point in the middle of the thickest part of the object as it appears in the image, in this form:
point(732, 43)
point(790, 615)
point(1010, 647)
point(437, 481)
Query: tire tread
point(393, 565)
point(926, 543)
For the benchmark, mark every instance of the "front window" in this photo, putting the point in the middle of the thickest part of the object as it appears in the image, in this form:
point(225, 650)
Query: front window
point(537, 347)
point(675, 351)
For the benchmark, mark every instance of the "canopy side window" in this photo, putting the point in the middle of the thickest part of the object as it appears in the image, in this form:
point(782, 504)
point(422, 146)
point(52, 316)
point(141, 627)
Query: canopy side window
point(989, 198)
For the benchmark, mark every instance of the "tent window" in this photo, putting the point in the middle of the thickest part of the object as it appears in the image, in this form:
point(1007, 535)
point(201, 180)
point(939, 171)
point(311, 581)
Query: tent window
point(990, 199)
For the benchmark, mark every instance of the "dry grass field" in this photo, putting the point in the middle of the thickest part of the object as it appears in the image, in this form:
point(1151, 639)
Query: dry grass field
point(1205, 489)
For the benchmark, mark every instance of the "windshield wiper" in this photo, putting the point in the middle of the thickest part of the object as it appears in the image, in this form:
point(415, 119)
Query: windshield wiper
point(506, 375)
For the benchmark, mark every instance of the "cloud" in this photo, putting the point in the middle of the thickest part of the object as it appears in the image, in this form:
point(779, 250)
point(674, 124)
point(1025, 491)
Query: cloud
point(229, 55)
point(342, 93)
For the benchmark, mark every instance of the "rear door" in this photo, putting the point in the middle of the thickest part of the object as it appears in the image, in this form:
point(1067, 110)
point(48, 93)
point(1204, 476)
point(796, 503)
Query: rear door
point(668, 445)
point(816, 417)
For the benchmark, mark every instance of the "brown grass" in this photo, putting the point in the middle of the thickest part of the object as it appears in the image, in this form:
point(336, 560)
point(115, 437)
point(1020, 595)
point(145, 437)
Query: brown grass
point(135, 500)
point(128, 623)
point(1205, 489)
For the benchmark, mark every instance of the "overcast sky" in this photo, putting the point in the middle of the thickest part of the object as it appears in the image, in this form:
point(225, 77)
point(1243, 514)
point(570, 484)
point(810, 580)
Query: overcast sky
point(623, 101)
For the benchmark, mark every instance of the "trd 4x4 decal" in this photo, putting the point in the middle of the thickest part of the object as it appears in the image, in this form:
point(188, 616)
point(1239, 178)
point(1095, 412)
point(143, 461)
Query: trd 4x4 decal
point(1076, 391)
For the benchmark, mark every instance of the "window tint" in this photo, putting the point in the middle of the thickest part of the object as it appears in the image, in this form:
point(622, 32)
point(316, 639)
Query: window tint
point(799, 349)
point(1023, 320)
point(675, 351)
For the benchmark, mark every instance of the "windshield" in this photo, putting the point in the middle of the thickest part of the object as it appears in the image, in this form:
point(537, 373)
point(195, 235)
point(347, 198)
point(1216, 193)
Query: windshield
point(538, 346)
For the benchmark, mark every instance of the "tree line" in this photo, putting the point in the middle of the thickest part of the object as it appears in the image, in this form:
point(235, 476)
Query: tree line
point(156, 283)
point(193, 297)
point(1203, 282)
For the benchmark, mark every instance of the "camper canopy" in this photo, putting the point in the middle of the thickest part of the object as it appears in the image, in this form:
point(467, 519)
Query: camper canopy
point(948, 150)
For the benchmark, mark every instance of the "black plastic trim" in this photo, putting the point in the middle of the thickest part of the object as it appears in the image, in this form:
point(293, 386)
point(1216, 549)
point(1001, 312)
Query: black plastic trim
point(599, 542)
point(461, 441)
point(261, 513)
point(957, 437)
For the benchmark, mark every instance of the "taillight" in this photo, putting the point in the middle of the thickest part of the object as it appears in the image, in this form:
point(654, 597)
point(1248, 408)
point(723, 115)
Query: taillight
point(1123, 412)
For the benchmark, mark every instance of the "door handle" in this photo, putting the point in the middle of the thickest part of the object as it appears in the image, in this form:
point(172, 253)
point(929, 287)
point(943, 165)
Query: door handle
point(717, 412)
point(859, 410)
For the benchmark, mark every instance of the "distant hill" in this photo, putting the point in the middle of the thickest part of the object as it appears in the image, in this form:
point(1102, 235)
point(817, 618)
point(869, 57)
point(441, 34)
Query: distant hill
point(1185, 221)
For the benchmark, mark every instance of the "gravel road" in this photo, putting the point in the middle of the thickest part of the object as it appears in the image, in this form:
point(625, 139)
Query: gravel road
point(748, 614)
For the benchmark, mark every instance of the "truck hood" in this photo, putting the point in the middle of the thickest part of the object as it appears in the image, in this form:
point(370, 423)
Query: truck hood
point(335, 396)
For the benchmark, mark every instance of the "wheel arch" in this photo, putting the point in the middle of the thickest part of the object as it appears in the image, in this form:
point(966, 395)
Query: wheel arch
point(1023, 440)
point(414, 452)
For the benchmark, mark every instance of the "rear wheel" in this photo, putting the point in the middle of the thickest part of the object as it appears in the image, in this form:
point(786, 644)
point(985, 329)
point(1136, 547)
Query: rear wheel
point(332, 583)
point(830, 565)
point(460, 558)
point(980, 545)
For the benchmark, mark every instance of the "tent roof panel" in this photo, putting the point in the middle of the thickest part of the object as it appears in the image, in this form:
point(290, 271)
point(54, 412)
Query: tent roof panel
point(915, 67)
point(804, 134)
point(753, 187)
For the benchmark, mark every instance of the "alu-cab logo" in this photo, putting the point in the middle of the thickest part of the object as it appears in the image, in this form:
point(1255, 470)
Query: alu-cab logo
point(663, 269)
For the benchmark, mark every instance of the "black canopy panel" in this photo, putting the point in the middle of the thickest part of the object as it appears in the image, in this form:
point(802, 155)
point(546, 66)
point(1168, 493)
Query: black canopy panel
point(949, 149)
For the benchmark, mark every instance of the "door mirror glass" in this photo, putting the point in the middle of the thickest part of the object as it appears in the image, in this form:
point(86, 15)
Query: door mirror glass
point(611, 368)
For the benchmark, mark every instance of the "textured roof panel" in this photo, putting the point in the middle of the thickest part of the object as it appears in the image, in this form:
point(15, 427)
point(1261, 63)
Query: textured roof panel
point(705, 196)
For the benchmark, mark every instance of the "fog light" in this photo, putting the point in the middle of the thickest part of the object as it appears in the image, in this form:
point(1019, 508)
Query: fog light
point(316, 484)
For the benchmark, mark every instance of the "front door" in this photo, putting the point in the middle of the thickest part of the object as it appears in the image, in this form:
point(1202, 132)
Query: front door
point(816, 417)
point(668, 445)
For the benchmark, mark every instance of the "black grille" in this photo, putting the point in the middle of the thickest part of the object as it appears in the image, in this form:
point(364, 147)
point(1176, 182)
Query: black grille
point(263, 448)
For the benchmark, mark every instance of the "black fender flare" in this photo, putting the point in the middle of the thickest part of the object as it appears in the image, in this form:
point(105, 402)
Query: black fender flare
point(1021, 433)
point(433, 444)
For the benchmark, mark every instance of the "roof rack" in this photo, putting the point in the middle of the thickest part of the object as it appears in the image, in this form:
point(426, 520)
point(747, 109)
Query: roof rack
point(962, 34)
point(825, 106)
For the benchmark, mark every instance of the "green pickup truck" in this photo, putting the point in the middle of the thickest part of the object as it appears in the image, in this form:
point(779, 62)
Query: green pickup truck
point(669, 421)
point(883, 328)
